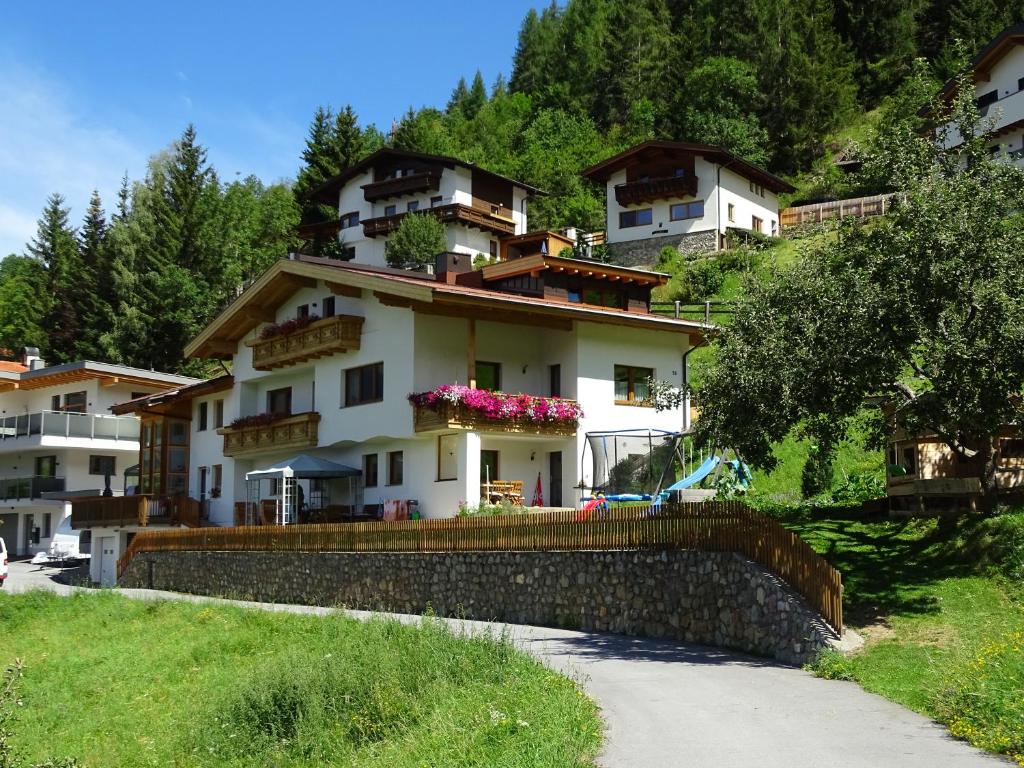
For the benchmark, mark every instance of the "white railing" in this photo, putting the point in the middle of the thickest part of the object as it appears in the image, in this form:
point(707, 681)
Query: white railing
point(91, 426)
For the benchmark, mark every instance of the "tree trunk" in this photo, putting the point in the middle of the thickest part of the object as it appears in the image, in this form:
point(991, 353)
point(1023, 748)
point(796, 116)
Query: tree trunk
point(989, 451)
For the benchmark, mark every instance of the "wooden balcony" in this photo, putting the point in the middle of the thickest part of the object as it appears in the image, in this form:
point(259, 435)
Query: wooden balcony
point(320, 338)
point(286, 433)
point(320, 229)
point(124, 511)
point(455, 213)
point(452, 417)
point(412, 184)
point(663, 188)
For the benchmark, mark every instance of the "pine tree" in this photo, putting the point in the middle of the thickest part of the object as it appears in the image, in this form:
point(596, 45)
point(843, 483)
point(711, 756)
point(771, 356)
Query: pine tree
point(457, 100)
point(534, 65)
point(97, 288)
point(54, 246)
point(23, 303)
point(636, 55)
point(476, 98)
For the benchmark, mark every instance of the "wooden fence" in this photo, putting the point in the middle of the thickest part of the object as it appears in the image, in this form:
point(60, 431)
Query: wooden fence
point(711, 527)
point(861, 207)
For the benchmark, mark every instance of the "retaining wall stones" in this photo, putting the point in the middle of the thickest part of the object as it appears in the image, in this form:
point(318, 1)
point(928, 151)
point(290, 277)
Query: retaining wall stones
point(719, 599)
point(631, 253)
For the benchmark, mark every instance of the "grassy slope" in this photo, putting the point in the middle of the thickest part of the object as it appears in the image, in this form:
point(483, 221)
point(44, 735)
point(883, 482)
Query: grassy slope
point(941, 610)
point(116, 682)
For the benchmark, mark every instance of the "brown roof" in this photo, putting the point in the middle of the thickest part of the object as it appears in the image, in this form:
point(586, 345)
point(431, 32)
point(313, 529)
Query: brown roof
point(174, 395)
point(982, 64)
point(11, 367)
point(601, 171)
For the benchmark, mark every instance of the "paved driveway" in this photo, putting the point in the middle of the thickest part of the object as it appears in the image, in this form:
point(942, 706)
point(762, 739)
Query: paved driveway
point(669, 705)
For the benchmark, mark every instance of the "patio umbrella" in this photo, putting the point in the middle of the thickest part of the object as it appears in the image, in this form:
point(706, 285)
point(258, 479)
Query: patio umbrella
point(538, 493)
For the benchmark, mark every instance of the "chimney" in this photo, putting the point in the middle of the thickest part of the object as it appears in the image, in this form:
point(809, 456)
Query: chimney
point(448, 264)
point(30, 359)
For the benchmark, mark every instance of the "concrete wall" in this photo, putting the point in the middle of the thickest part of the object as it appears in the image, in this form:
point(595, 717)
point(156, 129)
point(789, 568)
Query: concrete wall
point(709, 598)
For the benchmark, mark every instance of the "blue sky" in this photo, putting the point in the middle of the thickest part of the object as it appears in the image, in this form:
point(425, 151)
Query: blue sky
point(91, 90)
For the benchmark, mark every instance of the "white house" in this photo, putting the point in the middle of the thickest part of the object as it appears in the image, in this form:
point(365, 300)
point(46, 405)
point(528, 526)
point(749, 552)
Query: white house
point(325, 355)
point(479, 208)
point(998, 76)
point(687, 196)
point(58, 440)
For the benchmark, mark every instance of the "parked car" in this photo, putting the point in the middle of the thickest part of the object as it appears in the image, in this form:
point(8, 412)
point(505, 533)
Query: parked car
point(3, 562)
point(66, 547)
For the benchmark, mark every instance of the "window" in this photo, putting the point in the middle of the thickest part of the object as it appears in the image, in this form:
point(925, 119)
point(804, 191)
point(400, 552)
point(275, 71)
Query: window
point(348, 253)
point(70, 402)
point(910, 459)
point(55, 403)
point(680, 211)
point(447, 457)
point(413, 205)
point(495, 210)
point(436, 201)
point(986, 99)
point(202, 418)
point(731, 212)
point(555, 380)
point(218, 413)
point(102, 465)
point(488, 376)
point(370, 470)
point(279, 401)
point(390, 210)
point(493, 248)
point(1020, 84)
point(364, 384)
point(636, 218)
point(756, 223)
point(204, 479)
point(46, 466)
point(631, 384)
point(680, 172)
point(395, 459)
point(301, 311)
point(47, 525)
point(488, 466)
point(350, 220)
point(328, 305)
point(1012, 448)
point(218, 478)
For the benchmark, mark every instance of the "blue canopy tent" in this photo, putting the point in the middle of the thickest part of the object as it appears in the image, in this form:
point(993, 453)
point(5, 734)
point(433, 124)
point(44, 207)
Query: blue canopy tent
point(286, 500)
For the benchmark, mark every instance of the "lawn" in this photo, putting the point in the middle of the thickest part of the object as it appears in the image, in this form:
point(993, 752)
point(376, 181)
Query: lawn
point(116, 682)
point(942, 609)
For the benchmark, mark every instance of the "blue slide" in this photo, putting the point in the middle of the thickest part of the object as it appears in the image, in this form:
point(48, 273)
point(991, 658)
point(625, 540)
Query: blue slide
point(702, 471)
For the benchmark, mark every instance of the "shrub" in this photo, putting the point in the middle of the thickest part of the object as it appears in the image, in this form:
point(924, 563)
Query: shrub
point(832, 665)
point(417, 240)
point(858, 488)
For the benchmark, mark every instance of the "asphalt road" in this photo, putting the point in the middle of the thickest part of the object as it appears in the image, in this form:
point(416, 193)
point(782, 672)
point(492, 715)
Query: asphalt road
point(671, 705)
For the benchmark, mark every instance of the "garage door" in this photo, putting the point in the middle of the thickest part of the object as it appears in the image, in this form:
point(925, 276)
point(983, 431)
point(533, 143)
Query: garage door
point(9, 531)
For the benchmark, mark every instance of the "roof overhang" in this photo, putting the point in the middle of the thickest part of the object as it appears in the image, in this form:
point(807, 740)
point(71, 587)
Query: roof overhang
point(169, 401)
point(107, 374)
point(981, 66)
point(538, 263)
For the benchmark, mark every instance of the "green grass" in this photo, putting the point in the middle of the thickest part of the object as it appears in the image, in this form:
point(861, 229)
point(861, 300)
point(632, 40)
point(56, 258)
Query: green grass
point(115, 682)
point(940, 606)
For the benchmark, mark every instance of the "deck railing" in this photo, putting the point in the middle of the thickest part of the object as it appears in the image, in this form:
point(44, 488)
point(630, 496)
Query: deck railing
point(859, 207)
point(122, 511)
point(711, 527)
point(340, 333)
point(92, 426)
point(30, 487)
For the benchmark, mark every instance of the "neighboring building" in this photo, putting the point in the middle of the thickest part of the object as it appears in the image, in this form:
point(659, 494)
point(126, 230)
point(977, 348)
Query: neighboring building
point(686, 196)
point(998, 74)
point(337, 387)
point(925, 474)
point(58, 440)
point(479, 208)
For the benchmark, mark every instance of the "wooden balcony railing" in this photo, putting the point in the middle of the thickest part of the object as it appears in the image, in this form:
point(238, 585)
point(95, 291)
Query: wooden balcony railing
point(455, 213)
point(123, 511)
point(448, 417)
point(287, 432)
point(634, 192)
point(321, 229)
point(411, 184)
point(340, 333)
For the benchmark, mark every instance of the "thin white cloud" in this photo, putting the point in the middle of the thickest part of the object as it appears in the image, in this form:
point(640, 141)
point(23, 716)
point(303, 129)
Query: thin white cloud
point(47, 146)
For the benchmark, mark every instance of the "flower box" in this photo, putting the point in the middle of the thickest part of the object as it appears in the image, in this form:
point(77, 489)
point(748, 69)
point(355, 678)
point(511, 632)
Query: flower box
point(452, 406)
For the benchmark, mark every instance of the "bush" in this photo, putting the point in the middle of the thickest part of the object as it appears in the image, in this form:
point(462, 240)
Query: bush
point(832, 665)
point(858, 488)
point(416, 242)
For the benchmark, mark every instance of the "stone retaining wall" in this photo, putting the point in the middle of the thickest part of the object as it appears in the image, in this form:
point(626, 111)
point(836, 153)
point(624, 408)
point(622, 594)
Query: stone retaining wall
point(719, 599)
point(631, 253)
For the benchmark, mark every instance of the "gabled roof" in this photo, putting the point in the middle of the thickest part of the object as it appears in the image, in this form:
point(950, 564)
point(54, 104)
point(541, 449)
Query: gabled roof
point(982, 64)
point(84, 370)
point(161, 400)
point(417, 291)
point(603, 170)
point(327, 192)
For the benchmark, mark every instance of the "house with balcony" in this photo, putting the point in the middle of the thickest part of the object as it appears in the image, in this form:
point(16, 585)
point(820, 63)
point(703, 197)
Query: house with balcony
point(479, 208)
point(444, 389)
point(681, 195)
point(997, 73)
point(58, 440)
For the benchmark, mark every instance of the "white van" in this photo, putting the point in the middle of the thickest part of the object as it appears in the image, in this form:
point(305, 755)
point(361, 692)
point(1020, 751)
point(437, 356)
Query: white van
point(3, 562)
point(65, 546)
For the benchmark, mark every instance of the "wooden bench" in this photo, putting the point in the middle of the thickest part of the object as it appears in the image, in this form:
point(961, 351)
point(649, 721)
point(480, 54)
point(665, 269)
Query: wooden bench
point(497, 490)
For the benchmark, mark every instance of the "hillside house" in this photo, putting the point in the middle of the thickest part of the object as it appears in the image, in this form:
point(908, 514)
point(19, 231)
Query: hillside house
point(998, 76)
point(325, 355)
point(686, 196)
point(479, 208)
point(58, 440)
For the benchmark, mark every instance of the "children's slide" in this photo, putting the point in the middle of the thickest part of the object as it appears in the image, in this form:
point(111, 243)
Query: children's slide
point(701, 472)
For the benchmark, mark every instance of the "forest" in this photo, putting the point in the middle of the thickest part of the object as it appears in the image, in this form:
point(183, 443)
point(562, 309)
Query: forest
point(775, 81)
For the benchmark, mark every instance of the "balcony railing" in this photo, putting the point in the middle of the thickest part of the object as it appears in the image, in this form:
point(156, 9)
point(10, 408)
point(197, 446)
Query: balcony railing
point(122, 511)
point(323, 229)
point(634, 192)
point(340, 333)
point(454, 213)
point(31, 487)
point(411, 184)
point(284, 433)
point(445, 417)
point(58, 424)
